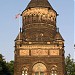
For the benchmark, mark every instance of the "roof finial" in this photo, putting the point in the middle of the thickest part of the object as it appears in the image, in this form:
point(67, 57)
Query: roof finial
point(57, 29)
point(20, 29)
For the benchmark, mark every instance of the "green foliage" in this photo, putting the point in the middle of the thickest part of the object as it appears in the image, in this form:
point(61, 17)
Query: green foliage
point(6, 68)
point(11, 67)
point(3, 67)
point(70, 65)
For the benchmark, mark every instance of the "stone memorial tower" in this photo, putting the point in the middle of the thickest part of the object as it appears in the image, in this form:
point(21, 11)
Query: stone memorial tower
point(39, 46)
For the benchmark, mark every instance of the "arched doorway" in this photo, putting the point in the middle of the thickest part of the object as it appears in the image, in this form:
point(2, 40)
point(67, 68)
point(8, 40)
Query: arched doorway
point(39, 69)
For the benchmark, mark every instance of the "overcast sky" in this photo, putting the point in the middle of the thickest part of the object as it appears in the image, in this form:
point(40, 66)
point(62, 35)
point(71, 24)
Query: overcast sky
point(9, 26)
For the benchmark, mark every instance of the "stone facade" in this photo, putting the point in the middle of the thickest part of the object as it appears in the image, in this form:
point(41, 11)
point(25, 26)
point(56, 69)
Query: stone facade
point(39, 47)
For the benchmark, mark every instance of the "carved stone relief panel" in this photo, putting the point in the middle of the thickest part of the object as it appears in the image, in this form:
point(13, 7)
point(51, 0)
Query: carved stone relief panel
point(24, 52)
point(39, 52)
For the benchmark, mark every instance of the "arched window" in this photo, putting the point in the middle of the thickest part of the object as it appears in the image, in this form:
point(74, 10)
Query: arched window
point(24, 71)
point(54, 70)
point(39, 69)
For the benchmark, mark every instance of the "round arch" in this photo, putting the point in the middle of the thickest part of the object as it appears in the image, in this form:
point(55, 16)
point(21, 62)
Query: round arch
point(39, 69)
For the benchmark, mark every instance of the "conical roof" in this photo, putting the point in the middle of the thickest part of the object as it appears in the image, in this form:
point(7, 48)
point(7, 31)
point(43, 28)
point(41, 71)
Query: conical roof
point(39, 3)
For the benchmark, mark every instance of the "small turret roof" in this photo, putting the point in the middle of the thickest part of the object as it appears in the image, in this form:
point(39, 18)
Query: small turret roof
point(58, 36)
point(39, 3)
point(19, 37)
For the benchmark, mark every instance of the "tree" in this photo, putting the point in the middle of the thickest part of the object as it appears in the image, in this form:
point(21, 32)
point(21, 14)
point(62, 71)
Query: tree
point(11, 67)
point(70, 65)
point(3, 67)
